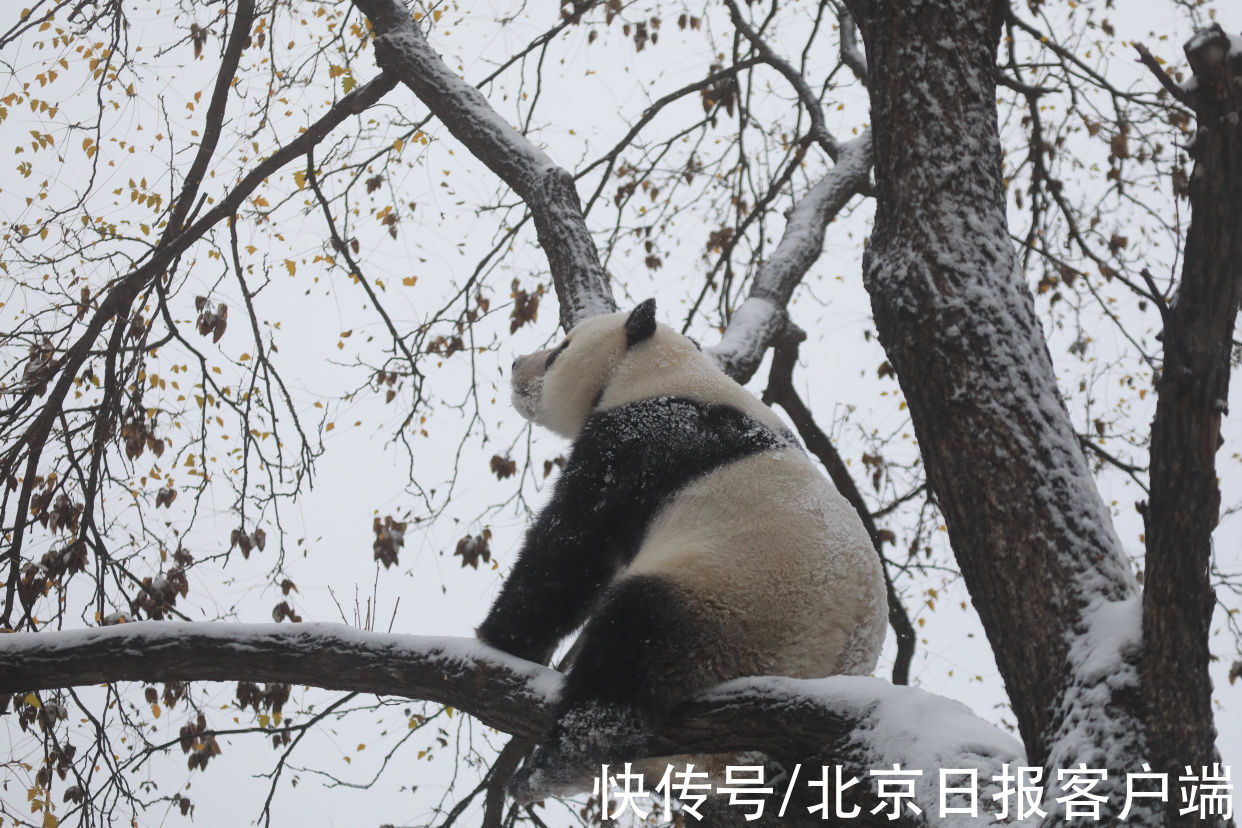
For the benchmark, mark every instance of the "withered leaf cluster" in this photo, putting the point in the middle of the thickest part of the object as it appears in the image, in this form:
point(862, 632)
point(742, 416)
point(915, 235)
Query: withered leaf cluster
point(389, 538)
point(472, 548)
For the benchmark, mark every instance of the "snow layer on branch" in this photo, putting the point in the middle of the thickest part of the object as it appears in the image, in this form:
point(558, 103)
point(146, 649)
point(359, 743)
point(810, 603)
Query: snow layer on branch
point(762, 316)
point(437, 668)
point(750, 329)
point(900, 725)
point(548, 190)
point(523, 163)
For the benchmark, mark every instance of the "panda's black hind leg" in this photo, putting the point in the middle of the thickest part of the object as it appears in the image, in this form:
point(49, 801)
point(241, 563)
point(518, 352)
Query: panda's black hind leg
point(627, 676)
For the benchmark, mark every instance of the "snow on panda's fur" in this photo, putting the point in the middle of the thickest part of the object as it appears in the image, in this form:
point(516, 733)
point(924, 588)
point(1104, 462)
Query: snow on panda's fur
point(690, 533)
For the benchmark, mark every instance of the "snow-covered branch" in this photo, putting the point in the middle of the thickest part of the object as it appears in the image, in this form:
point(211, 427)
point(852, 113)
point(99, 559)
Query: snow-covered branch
point(503, 691)
point(762, 316)
point(856, 722)
point(548, 190)
point(851, 53)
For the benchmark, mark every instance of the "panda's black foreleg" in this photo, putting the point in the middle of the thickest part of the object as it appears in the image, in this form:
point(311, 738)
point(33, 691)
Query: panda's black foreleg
point(627, 677)
point(637, 647)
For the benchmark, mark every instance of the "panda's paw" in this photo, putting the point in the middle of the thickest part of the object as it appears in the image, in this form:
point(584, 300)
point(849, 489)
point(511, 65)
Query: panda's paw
point(547, 774)
point(587, 737)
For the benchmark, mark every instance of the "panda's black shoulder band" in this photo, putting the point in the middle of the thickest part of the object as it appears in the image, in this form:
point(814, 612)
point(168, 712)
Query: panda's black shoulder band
point(641, 323)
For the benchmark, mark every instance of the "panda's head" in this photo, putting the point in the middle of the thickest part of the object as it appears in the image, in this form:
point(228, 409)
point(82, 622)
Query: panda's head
point(605, 361)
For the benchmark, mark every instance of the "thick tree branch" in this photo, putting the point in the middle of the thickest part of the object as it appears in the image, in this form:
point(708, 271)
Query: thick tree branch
point(859, 723)
point(851, 55)
point(761, 317)
point(548, 190)
point(1194, 385)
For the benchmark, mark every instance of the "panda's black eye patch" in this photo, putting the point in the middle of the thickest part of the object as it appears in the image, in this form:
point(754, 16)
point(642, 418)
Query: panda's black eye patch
point(552, 356)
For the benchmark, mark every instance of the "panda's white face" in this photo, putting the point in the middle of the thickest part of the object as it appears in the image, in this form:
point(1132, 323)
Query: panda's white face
point(558, 387)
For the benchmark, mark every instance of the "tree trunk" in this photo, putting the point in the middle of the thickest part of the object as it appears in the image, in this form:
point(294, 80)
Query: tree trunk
point(1031, 534)
point(1194, 386)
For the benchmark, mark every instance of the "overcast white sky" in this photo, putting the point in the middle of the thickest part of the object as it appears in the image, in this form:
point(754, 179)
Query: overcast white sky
point(599, 92)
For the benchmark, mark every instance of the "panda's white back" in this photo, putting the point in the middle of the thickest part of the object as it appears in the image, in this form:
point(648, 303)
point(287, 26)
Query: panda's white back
point(779, 563)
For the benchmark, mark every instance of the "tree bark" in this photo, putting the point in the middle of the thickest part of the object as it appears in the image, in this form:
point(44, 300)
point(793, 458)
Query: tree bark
point(857, 723)
point(548, 190)
point(1032, 537)
point(1193, 388)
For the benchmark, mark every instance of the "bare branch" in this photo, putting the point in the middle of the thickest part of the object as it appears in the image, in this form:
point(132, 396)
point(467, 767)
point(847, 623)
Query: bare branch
point(239, 38)
point(1149, 60)
point(819, 130)
point(781, 391)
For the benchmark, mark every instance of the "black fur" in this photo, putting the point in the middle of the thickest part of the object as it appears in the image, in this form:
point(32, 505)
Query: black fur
point(626, 679)
point(640, 324)
point(625, 464)
point(638, 642)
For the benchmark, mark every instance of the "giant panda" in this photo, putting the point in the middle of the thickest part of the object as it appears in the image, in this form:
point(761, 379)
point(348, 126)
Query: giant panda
point(690, 534)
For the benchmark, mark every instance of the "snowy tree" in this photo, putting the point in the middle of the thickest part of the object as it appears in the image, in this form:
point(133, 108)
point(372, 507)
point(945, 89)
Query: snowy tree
point(1000, 153)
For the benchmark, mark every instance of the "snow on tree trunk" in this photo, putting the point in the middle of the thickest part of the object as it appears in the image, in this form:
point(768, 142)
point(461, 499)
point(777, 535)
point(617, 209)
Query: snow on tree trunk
point(1031, 534)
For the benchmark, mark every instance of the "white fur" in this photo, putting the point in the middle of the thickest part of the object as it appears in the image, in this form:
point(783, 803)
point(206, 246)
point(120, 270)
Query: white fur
point(768, 548)
point(766, 544)
point(597, 360)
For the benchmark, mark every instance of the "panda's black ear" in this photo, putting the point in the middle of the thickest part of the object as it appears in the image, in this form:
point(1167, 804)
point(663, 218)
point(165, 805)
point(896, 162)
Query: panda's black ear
point(641, 323)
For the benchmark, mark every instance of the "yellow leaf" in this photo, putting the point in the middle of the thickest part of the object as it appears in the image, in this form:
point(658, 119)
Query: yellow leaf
point(50, 820)
point(348, 84)
point(300, 177)
point(33, 700)
point(292, 266)
point(410, 281)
